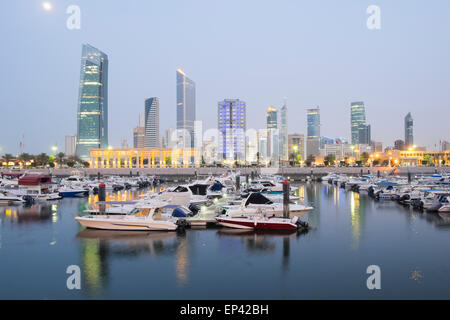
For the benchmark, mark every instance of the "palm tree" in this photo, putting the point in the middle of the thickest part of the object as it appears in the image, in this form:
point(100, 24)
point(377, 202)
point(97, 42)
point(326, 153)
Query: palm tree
point(42, 159)
point(24, 158)
point(60, 156)
point(7, 158)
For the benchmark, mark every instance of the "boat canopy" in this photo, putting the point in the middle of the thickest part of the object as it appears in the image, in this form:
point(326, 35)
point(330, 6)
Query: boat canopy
point(35, 180)
point(257, 198)
point(199, 189)
point(217, 186)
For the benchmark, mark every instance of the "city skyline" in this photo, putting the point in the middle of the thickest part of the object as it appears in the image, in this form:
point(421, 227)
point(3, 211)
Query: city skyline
point(263, 77)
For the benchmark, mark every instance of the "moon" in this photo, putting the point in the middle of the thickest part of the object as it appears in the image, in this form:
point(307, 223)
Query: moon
point(47, 6)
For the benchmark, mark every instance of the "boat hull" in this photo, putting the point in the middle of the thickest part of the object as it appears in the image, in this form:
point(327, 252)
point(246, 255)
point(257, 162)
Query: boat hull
point(122, 224)
point(245, 223)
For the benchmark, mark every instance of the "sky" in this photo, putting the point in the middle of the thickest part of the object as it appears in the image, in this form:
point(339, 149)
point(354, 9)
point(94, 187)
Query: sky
point(314, 53)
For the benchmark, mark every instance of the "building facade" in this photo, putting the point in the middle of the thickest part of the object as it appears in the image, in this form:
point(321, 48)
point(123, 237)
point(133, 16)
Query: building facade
point(296, 146)
point(185, 109)
point(231, 119)
point(70, 146)
point(409, 123)
point(152, 123)
point(273, 143)
point(357, 120)
point(139, 137)
point(313, 131)
point(92, 118)
point(284, 145)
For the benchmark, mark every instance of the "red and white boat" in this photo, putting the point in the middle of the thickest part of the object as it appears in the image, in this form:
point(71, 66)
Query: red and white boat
point(260, 222)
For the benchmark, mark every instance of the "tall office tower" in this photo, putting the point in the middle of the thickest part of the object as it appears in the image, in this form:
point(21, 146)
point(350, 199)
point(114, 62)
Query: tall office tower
point(92, 127)
point(152, 123)
point(364, 135)
point(445, 145)
point(231, 125)
point(139, 137)
point(261, 156)
point(358, 120)
point(409, 139)
point(272, 134)
point(185, 109)
point(313, 131)
point(284, 150)
point(71, 146)
point(296, 146)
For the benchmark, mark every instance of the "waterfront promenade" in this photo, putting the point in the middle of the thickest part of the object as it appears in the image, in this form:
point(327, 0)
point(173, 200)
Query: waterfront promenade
point(292, 173)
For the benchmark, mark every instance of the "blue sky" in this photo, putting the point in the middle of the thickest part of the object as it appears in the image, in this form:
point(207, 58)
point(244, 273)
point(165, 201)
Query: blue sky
point(315, 53)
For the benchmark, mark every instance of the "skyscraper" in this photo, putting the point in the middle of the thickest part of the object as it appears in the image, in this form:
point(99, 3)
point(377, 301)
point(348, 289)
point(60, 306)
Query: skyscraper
point(409, 139)
point(297, 146)
point(358, 120)
point(231, 120)
point(313, 131)
point(92, 127)
point(70, 146)
point(152, 123)
point(185, 109)
point(284, 150)
point(272, 134)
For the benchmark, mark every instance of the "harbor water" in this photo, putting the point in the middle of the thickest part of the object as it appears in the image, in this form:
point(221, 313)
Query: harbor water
point(349, 232)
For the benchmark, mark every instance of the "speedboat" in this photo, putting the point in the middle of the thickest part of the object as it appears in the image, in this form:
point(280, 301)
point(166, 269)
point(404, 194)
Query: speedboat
point(11, 199)
point(71, 192)
point(260, 222)
point(255, 202)
point(149, 218)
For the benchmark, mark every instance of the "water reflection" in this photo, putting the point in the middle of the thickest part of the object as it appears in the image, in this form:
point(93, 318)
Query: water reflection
point(98, 247)
point(39, 212)
point(355, 219)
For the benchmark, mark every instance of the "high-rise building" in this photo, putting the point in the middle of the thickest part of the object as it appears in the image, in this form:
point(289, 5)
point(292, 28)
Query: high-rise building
point(364, 134)
point(313, 131)
point(231, 120)
point(296, 145)
point(445, 145)
point(92, 128)
point(152, 123)
point(409, 139)
point(185, 109)
point(139, 137)
point(272, 134)
point(399, 145)
point(358, 120)
point(284, 149)
point(71, 146)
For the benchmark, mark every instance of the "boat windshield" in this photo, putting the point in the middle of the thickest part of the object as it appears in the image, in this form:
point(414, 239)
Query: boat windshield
point(144, 212)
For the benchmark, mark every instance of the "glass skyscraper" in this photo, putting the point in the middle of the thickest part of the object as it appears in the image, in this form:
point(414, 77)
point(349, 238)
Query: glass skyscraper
point(231, 120)
point(272, 134)
point(152, 123)
point(92, 128)
point(358, 120)
point(313, 131)
point(185, 109)
point(284, 134)
point(409, 139)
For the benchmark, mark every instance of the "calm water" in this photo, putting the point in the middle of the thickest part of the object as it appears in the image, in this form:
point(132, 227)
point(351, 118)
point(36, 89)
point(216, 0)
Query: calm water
point(349, 233)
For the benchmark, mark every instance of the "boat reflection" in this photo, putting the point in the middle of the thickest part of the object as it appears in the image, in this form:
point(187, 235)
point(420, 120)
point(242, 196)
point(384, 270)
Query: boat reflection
point(40, 212)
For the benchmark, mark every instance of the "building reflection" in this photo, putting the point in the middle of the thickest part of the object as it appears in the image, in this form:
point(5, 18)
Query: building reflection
point(98, 247)
point(355, 219)
point(39, 212)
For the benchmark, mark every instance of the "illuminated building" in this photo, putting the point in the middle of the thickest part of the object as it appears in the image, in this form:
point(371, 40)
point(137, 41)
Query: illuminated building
point(92, 128)
point(231, 120)
point(409, 139)
point(313, 131)
point(272, 134)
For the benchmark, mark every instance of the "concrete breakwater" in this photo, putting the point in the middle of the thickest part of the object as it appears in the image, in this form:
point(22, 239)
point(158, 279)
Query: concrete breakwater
point(183, 174)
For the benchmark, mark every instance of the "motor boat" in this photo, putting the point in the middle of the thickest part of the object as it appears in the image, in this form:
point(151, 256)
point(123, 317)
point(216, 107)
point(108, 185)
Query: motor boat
point(37, 186)
point(445, 206)
point(255, 202)
point(11, 199)
point(260, 222)
point(72, 192)
point(148, 218)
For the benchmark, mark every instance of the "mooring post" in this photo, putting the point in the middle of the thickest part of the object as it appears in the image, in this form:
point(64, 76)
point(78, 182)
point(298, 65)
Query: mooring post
point(409, 176)
point(238, 182)
point(246, 179)
point(98, 175)
point(131, 173)
point(361, 172)
point(102, 197)
point(378, 173)
point(286, 199)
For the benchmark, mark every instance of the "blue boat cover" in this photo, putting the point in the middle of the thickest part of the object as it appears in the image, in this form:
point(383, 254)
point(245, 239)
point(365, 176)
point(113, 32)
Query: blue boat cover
point(217, 186)
point(179, 213)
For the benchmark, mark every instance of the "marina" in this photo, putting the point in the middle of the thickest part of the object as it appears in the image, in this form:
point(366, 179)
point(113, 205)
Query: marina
point(223, 234)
